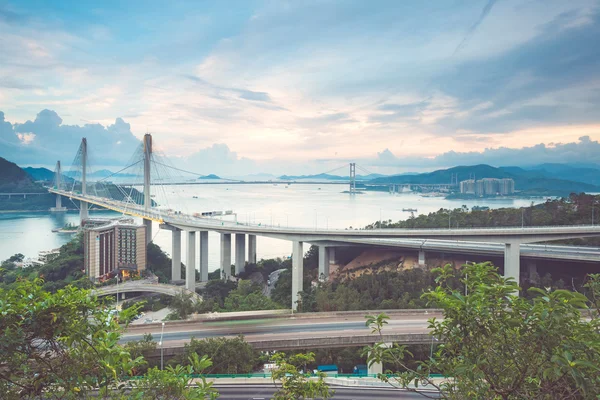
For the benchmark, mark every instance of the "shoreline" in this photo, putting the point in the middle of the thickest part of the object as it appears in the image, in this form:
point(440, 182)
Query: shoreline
point(31, 211)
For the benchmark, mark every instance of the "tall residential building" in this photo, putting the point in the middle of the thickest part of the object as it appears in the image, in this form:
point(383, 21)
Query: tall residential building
point(488, 186)
point(479, 189)
point(467, 186)
point(507, 186)
point(113, 245)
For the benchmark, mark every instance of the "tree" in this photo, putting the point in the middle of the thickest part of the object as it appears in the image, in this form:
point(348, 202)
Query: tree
point(248, 297)
point(182, 305)
point(229, 355)
point(497, 345)
point(65, 345)
point(175, 383)
point(65, 341)
point(294, 383)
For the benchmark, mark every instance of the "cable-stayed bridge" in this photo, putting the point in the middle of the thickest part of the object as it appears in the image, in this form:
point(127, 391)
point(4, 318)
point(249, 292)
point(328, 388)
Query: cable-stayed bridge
point(149, 200)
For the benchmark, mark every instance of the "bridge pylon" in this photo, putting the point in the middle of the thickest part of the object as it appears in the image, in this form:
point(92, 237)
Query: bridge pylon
point(352, 178)
point(147, 184)
point(58, 183)
point(83, 206)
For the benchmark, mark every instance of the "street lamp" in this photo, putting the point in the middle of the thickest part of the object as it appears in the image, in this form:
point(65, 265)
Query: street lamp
point(161, 345)
point(431, 352)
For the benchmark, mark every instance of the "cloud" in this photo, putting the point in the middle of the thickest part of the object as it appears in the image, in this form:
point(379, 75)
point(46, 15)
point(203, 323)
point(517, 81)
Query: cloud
point(486, 10)
point(46, 140)
point(219, 159)
point(584, 151)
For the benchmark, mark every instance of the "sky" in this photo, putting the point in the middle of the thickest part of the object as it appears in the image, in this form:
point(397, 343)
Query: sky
point(288, 87)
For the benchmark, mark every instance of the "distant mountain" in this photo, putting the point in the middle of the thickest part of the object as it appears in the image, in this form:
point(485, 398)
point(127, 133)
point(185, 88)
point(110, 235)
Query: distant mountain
point(586, 173)
point(255, 177)
point(321, 177)
point(210, 176)
point(39, 174)
point(329, 177)
point(532, 181)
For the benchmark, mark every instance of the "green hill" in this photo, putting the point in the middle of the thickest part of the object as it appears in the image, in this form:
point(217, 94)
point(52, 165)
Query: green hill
point(14, 179)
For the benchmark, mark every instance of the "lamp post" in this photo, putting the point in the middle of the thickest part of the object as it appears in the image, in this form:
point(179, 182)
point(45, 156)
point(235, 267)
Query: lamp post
point(431, 352)
point(161, 345)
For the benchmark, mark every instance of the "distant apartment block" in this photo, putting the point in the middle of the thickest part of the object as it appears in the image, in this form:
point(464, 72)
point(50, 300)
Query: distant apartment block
point(113, 245)
point(488, 187)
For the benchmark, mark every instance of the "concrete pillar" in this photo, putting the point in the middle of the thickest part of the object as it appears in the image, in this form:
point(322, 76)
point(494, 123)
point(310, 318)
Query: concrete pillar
point(240, 253)
point(83, 211)
point(225, 255)
point(532, 271)
point(422, 257)
point(203, 256)
point(148, 225)
point(323, 263)
point(251, 249)
point(332, 259)
point(512, 266)
point(176, 255)
point(297, 272)
point(377, 368)
point(190, 268)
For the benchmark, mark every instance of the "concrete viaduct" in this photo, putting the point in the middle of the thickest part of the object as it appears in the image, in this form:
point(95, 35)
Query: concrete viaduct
point(510, 239)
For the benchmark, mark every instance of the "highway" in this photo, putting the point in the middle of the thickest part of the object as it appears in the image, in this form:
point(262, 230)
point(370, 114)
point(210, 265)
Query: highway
point(520, 235)
point(263, 392)
point(273, 329)
point(540, 251)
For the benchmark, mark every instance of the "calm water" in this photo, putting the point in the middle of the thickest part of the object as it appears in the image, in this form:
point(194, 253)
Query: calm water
point(297, 205)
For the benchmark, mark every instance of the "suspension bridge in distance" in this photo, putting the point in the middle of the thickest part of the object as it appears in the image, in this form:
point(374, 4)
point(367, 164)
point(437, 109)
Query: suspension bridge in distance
point(130, 201)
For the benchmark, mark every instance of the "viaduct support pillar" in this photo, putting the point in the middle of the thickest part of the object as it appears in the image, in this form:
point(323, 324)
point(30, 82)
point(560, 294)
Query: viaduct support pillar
point(323, 263)
point(225, 255)
point(204, 256)
point(532, 272)
point(190, 267)
point(297, 272)
point(83, 212)
point(240, 253)
point(251, 249)
point(512, 266)
point(176, 255)
point(148, 226)
point(377, 368)
point(422, 257)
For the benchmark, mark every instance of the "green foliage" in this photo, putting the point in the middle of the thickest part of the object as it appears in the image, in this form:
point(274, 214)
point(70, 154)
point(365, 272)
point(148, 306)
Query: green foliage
point(248, 297)
point(214, 294)
point(159, 263)
point(182, 304)
point(573, 210)
point(380, 290)
point(175, 382)
point(65, 341)
point(65, 345)
point(296, 384)
point(229, 355)
point(282, 292)
point(499, 345)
